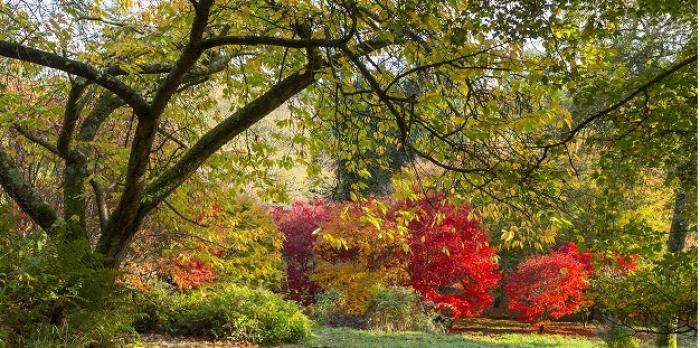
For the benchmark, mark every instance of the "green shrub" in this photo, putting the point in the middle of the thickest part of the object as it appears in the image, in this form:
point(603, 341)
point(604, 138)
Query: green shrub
point(226, 312)
point(58, 294)
point(388, 309)
point(618, 337)
point(328, 310)
point(398, 309)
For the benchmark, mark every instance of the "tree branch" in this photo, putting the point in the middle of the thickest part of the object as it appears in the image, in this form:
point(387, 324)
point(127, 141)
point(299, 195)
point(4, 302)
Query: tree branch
point(102, 210)
point(70, 118)
point(51, 60)
point(182, 216)
point(251, 40)
point(214, 139)
point(105, 105)
point(113, 244)
point(189, 56)
point(24, 194)
point(569, 136)
point(125, 219)
point(36, 139)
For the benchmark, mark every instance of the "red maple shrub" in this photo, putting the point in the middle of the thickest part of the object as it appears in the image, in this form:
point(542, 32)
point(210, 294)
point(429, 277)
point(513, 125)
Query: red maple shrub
point(596, 261)
point(586, 258)
point(627, 263)
point(451, 263)
point(188, 272)
point(549, 286)
point(298, 223)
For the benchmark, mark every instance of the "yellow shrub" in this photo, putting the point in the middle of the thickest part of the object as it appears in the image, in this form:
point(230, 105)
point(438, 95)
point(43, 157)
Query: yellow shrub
point(354, 255)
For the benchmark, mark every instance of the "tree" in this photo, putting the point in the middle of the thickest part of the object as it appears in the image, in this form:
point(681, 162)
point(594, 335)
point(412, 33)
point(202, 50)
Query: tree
point(366, 171)
point(547, 287)
point(299, 223)
point(651, 299)
point(146, 77)
point(450, 263)
point(644, 170)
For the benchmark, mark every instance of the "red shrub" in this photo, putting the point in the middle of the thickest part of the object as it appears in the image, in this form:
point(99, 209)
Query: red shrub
point(549, 286)
point(627, 263)
point(189, 272)
point(298, 224)
point(621, 263)
point(450, 262)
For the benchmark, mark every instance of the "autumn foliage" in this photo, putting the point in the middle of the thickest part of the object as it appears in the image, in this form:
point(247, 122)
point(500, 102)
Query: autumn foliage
point(440, 252)
point(235, 241)
point(596, 261)
point(188, 272)
point(298, 224)
point(549, 286)
point(451, 263)
point(355, 253)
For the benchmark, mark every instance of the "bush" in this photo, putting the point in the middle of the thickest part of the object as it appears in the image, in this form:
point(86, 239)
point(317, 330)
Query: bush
point(328, 310)
point(298, 223)
point(388, 309)
point(617, 337)
point(660, 294)
point(547, 286)
point(58, 295)
point(226, 312)
point(451, 263)
point(399, 309)
point(357, 250)
point(241, 244)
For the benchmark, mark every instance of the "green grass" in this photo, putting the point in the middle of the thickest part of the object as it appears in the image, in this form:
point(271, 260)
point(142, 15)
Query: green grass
point(342, 337)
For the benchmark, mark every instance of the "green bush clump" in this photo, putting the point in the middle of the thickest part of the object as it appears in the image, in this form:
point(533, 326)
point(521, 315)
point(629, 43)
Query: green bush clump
point(399, 309)
point(226, 312)
point(57, 294)
point(328, 310)
point(618, 337)
point(388, 309)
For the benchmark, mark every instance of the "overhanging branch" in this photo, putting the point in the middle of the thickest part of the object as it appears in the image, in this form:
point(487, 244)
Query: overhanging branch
point(51, 60)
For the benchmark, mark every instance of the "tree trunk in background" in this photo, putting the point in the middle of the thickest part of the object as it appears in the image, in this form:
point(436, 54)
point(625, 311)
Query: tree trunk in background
point(379, 183)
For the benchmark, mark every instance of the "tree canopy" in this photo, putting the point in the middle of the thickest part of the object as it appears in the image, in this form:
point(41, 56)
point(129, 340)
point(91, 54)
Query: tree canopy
point(137, 99)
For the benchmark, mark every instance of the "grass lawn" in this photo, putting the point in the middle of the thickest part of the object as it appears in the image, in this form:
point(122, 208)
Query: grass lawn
point(341, 337)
